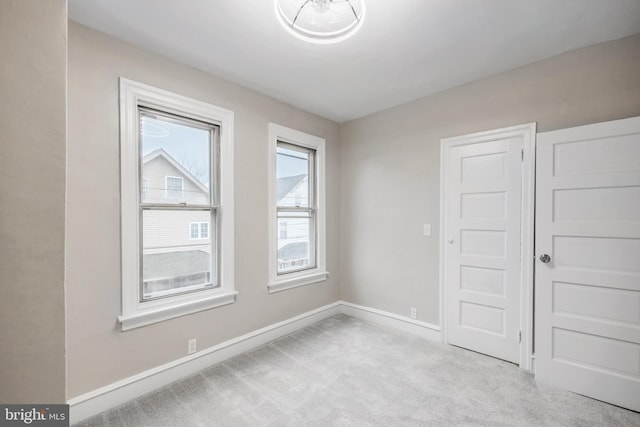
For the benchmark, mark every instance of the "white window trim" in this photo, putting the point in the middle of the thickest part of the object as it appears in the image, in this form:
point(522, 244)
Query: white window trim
point(280, 282)
point(136, 313)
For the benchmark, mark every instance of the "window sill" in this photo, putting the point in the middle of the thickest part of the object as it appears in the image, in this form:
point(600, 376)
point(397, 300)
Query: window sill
point(289, 283)
point(154, 315)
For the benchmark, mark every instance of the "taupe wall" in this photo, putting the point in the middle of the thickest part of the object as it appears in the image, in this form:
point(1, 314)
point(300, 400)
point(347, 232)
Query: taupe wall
point(33, 42)
point(390, 163)
point(98, 352)
point(383, 180)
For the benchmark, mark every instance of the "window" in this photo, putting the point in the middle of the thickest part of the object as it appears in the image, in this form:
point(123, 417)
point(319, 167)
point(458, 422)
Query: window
point(185, 147)
point(297, 217)
point(296, 207)
point(176, 162)
point(198, 230)
point(173, 184)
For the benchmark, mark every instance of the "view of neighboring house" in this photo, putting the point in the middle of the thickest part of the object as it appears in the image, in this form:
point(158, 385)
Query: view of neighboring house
point(293, 233)
point(177, 244)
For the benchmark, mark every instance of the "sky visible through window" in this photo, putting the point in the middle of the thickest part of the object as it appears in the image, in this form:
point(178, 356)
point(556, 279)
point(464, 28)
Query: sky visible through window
point(291, 163)
point(189, 146)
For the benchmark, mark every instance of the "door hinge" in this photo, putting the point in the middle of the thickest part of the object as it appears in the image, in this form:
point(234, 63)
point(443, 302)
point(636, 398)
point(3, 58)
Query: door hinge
point(520, 336)
point(522, 155)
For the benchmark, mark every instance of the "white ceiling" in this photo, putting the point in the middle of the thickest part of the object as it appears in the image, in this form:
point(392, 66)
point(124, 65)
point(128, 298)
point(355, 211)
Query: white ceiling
point(405, 50)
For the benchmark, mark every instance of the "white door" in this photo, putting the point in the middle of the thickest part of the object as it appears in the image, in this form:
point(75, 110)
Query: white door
point(587, 288)
point(482, 248)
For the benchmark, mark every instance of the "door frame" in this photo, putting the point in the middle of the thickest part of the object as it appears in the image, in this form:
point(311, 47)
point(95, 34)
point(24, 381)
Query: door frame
point(527, 132)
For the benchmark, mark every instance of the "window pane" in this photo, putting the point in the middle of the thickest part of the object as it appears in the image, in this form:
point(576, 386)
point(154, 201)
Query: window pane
point(175, 160)
point(172, 262)
point(204, 230)
point(174, 187)
point(194, 231)
point(292, 176)
point(294, 246)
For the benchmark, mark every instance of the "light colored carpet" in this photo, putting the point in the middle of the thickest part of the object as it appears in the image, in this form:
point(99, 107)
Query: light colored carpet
point(348, 372)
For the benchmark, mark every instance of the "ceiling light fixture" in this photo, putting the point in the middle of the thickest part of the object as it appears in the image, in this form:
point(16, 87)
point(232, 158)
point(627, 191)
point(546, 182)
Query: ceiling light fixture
point(321, 21)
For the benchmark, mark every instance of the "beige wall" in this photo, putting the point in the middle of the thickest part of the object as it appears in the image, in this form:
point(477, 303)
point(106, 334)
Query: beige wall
point(383, 179)
point(98, 352)
point(390, 163)
point(33, 38)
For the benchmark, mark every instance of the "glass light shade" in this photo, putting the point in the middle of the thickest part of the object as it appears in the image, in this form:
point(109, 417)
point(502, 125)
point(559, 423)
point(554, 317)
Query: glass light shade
point(321, 21)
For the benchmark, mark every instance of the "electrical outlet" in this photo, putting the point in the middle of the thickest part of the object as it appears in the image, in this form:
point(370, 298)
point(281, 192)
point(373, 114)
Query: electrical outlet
point(413, 313)
point(191, 346)
point(427, 230)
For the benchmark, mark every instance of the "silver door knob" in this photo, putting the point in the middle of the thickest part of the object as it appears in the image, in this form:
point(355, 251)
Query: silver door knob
point(545, 258)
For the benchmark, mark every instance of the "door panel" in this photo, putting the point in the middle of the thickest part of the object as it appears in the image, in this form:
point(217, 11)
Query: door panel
point(482, 255)
point(484, 205)
point(587, 298)
point(489, 281)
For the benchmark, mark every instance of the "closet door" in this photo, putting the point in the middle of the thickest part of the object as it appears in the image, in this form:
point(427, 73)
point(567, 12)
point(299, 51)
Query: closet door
point(482, 250)
point(587, 286)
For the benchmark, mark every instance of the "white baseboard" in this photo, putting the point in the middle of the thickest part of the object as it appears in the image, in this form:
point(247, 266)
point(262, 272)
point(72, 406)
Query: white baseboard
point(422, 329)
point(112, 395)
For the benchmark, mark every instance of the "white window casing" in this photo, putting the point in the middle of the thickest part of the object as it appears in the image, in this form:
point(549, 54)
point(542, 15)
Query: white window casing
point(318, 273)
point(135, 311)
